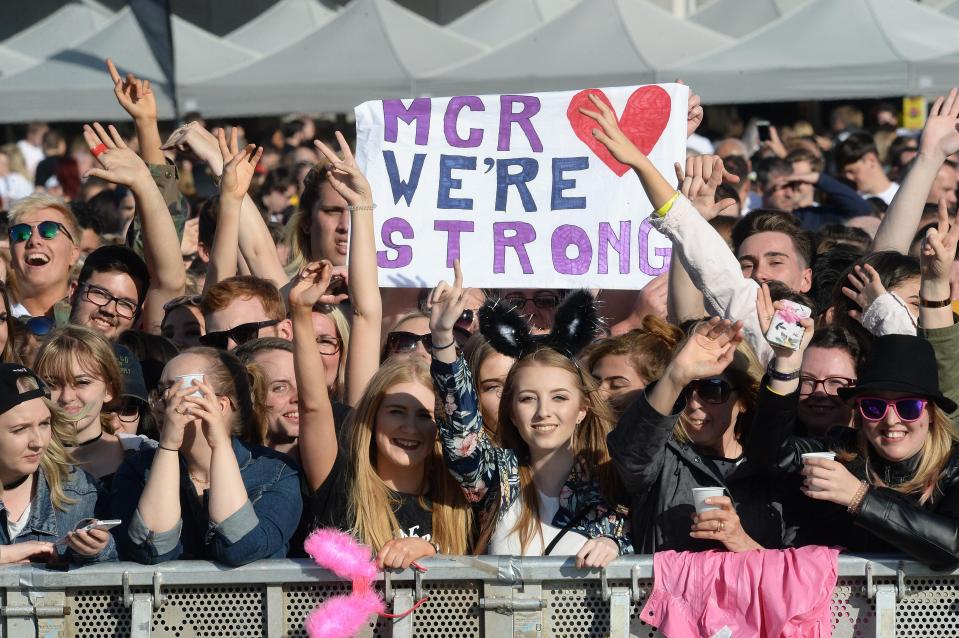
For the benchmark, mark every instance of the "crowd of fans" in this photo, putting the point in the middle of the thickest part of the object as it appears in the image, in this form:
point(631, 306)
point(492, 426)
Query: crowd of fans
point(186, 350)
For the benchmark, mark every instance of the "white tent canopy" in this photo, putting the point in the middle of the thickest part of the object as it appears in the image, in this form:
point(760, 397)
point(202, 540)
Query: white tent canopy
point(74, 83)
point(373, 49)
point(281, 24)
point(496, 21)
point(63, 28)
point(12, 62)
point(595, 43)
point(736, 18)
point(951, 9)
point(824, 49)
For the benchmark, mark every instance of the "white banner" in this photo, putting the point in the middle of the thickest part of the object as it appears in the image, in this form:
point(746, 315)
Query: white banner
point(517, 188)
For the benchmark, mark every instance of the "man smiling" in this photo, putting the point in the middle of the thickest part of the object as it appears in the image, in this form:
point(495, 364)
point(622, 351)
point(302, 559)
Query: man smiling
point(110, 290)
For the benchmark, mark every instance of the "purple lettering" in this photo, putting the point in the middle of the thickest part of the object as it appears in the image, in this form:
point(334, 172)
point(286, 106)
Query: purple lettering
point(453, 109)
point(569, 235)
point(404, 253)
point(663, 253)
point(620, 243)
point(418, 112)
point(507, 118)
point(453, 228)
point(521, 234)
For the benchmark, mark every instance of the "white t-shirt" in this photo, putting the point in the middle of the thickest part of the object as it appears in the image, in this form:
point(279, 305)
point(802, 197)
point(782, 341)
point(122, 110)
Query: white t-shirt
point(506, 540)
point(14, 187)
point(31, 155)
point(15, 527)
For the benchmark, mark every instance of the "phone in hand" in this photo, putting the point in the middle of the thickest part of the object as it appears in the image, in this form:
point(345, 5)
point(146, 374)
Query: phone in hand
point(762, 126)
point(88, 524)
point(785, 329)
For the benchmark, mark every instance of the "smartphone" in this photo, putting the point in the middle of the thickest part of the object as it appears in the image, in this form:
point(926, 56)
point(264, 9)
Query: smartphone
point(762, 126)
point(90, 525)
point(186, 381)
point(785, 329)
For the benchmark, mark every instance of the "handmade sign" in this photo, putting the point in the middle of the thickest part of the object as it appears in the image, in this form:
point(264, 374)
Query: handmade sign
point(517, 187)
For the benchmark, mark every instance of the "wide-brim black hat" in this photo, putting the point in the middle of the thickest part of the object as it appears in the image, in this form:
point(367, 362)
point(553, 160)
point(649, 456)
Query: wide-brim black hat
point(900, 363)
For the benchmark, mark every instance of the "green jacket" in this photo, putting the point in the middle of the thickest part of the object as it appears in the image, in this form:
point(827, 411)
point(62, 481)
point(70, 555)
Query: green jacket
point(945, 343)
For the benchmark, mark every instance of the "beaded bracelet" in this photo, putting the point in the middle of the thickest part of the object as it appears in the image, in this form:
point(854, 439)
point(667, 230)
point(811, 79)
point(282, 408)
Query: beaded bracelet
point(857, 500)
point(353, 207)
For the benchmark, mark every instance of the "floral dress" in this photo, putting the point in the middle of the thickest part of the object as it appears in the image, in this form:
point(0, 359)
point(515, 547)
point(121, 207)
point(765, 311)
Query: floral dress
point(489, 475)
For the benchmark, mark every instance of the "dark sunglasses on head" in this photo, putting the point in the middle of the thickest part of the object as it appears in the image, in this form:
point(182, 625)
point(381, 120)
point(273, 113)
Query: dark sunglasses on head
point(402, 341)
point(240, 334)
point(48, 230)
point(908, 409)
point(542, 300)
point(715, 391)
point(38, 326)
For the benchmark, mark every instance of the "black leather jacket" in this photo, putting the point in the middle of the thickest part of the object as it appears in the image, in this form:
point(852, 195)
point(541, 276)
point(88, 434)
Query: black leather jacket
point(888, 521)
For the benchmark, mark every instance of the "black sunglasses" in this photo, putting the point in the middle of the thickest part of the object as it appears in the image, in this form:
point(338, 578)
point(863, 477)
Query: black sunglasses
point(38, 326)
point(240, 334)
point(543, 301)
point(402, 341)
point(48, 230)
point(715, 391)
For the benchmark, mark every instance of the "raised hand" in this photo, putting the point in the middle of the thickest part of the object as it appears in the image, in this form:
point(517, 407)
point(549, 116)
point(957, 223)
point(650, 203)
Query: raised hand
point(175, 417)
point(609, 133)
point(766, 309)
point(313, 286)
point(206, 408)
point(120, 164)
point(938, 251)
point(694, 111)
point(446, 304)
point(940, 137)
point(707, 352)
point(239, 167)
point(135, 96)
point(193, 137)
point(703, 175)
point(864, 287)
point(775, 145)
point(344, 175)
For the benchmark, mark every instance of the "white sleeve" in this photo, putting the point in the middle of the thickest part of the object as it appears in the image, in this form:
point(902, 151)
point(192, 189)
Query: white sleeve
point(888, 315)
point(715, 271)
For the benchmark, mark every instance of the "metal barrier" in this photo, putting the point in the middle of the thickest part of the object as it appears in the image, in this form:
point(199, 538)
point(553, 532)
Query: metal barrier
point(489, 596)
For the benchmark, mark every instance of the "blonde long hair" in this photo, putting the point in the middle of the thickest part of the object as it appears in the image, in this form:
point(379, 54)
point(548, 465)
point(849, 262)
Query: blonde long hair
point(372, 504)
point(588, 443)
point(936, 450)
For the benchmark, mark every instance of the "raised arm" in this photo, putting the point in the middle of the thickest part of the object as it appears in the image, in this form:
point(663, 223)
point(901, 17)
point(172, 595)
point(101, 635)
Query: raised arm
point(940, 139)
point(234, 184)
point(317, 440)
point(364, 357)
point(256, 243)
point(121, 165)
point(137, 98)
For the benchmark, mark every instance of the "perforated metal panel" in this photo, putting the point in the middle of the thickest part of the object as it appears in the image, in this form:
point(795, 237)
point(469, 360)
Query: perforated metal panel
point(853, 615)
point(451, 612)
point(97, 612)
point(210, 612)
point(929, 608)
point(300, 600)
point(575, 610)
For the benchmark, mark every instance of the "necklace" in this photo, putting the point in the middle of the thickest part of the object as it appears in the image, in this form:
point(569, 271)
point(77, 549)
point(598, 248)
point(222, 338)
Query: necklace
point(17, 483)
point(91, 441)
point(198, 480)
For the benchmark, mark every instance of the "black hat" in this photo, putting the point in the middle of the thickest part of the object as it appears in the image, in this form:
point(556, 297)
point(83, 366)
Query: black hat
point(131, 373)
point(900, 363)
point(19, 385)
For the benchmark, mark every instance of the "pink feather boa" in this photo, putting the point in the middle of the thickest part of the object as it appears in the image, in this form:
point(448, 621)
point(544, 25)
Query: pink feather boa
point(343, 616)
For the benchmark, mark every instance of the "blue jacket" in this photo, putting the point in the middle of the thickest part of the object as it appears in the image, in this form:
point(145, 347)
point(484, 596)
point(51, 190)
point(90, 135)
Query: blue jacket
point(261, 528)
point(47, 523)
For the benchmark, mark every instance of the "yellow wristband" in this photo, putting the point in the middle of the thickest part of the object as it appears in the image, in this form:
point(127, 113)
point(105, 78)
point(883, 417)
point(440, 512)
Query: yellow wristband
point(665, 208)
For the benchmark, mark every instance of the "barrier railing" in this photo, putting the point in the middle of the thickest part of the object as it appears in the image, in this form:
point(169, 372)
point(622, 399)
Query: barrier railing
point(469, 597)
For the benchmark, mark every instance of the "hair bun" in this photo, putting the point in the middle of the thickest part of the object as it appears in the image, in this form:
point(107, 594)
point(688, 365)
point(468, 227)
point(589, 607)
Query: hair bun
point(661, 329)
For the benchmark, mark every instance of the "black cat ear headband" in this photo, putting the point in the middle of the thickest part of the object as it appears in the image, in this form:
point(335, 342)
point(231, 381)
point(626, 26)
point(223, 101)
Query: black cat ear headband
point(575, 326)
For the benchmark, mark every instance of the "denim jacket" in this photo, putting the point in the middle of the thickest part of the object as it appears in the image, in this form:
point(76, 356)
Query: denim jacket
point(47, 523)
point(261, 528)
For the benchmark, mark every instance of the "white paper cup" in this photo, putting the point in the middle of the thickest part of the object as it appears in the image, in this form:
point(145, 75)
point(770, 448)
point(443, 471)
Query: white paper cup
point(818, 455)
point(700, 494)
point(186, 381)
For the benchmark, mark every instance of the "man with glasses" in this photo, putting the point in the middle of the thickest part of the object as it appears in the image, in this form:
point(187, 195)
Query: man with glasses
point(240, 309)
point(43, 247)
point(538, 305)
point(110, 290)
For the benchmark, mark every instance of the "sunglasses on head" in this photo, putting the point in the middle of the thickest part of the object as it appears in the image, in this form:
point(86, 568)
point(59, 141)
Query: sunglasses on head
point(48, 230)
point(38, 326)
point(715, 391)
point(402, 341)
point(240, 334)
point(908, 409)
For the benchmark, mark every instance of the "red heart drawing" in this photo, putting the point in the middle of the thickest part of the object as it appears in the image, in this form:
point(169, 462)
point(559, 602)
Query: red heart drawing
point(643, 121)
